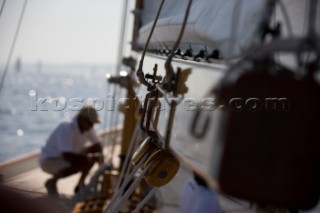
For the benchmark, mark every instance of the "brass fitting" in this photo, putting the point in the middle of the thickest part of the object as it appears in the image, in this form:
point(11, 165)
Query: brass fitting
point(164, 166)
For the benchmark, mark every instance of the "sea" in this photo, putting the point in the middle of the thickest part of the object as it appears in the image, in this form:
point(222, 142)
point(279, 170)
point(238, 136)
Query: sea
point(36, 98)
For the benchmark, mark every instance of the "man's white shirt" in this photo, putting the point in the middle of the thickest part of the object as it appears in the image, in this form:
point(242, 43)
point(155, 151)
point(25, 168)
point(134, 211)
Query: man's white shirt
point(67, 137)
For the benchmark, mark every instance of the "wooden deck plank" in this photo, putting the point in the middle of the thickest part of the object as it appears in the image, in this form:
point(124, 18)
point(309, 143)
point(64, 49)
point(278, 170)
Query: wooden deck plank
point(168, 196)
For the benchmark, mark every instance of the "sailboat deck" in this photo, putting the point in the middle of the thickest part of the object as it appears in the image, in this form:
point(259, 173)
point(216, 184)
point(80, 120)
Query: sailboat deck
point(32, 182)
point(168, 197)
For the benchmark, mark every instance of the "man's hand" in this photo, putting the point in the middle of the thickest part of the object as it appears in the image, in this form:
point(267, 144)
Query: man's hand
point(95, 148)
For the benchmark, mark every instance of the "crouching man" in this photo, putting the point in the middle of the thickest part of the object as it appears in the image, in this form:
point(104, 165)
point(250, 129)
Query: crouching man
point(65, 153)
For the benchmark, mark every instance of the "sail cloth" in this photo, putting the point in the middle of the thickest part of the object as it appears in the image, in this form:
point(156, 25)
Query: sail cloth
point(212, 24)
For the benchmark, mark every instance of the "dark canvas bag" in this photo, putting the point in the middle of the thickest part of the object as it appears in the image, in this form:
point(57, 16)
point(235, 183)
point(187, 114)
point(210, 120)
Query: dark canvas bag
point(271, 138)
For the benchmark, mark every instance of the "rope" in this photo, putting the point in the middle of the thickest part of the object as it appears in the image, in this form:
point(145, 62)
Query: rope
point(126, 181)
point(127, 159)
point(128, 168)
point(145, 200)
point(125, 197)
point(13, 45)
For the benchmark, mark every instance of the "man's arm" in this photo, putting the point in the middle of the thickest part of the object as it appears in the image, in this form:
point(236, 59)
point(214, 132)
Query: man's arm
point(93, 153)
point(93, 137)
point(94, 148)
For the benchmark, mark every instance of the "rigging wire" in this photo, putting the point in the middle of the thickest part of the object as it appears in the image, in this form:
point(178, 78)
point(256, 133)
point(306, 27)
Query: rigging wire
point(169, 76)
point(132, 187)
point(152, 29)
point(13, 45)
point(184, 23)
point(140, 73)
point(234, 30)
point(286, 17)
point(2, 6)
point(168, 66)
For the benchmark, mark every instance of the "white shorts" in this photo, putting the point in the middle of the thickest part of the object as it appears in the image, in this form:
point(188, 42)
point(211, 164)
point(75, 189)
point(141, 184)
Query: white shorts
point(54, 165)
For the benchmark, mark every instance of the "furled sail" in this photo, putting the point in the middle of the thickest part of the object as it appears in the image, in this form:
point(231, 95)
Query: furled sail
point(212, 24)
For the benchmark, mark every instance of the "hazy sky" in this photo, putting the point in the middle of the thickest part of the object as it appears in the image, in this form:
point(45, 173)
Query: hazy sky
point(62, 31)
